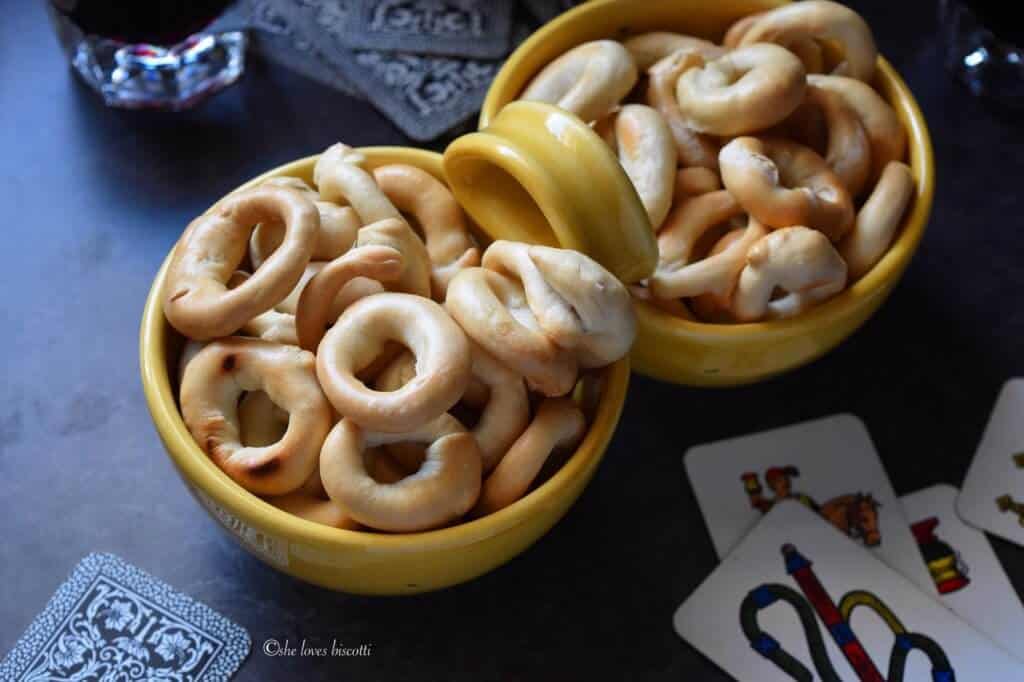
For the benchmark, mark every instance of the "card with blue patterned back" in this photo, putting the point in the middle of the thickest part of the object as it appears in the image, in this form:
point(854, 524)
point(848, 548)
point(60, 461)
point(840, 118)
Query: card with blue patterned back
point(112, 621)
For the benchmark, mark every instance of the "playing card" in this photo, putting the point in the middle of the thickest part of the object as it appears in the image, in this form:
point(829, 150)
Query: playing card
point(280, 31)
point(992, 496)
point(965, 570)
point(423, 95)
point(546, 10)
point(798, 601)
point(464, 28)
point(111, 621)
point(829, 464)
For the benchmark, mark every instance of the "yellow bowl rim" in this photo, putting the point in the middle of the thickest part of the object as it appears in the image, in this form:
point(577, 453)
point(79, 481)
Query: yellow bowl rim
point(200, 472)
point(920, 156)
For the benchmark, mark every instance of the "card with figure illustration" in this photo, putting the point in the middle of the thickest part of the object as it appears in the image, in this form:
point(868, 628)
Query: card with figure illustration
point(796, 600)
point(964, 567)
point(830, 465)
point(992, 496)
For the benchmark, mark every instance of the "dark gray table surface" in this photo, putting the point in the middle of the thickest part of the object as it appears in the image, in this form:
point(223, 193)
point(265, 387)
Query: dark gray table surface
point(93, 199)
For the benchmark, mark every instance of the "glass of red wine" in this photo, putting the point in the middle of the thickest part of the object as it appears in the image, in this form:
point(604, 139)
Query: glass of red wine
point(154, 54)
point(985, 47)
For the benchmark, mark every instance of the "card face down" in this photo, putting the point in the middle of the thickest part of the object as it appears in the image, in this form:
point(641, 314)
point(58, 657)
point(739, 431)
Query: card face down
point(466, 28)
point(829, 464)
point(425, 95)
point(964, 568)
point(111, 621)
point(798, 601)
point(992, 496)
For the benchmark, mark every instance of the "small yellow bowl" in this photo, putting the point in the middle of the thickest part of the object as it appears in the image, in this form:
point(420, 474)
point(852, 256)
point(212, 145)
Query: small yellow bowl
point(351, 561)
point(668, 347)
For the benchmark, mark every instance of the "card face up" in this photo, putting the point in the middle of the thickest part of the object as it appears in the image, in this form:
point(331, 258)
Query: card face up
point(964, 568)
point(111, 621)
point(798, 601)
point(830, 465)
point(992, 496)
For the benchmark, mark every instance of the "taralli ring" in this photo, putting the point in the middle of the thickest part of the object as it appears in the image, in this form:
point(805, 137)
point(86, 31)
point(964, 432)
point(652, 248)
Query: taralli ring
point(319, 297)
point(716, 306)
point(672, 306)
point(746, 90)
point(807, 49)
point(357, 288)
point(696, 180)
point(649, 48)
point(396, 234)
point(692, 148)
point(506, 410)
point(445, 487)
point(797, 260)
point(498, 392)
point(849, 152)
point(738, 29)
point(494, 311)
point(260, 421)
point(316, 509)
point(782, 183)
point(213, 383)
point(589, 80)
point(885, 132)
point(272, 325)
point(310, 501)
point(280, 324)
point(448, 242)
point(821, 20)
point(341, 179)
point(559, 423)
point(577, 303)
point(383, 468)
point(647, 153)
point(810, 53)
point(407, 457)
point(878, 219)
point(197, 301)
point(443, 361)
point(337, 233)
point(678, 274)
point(189, 351)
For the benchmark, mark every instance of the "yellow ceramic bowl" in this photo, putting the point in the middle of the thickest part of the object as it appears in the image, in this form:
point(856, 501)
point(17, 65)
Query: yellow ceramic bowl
point(504, 165)
point(365, 563)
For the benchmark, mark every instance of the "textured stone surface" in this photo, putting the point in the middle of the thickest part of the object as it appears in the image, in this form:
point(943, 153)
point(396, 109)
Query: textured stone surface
point(94, 199)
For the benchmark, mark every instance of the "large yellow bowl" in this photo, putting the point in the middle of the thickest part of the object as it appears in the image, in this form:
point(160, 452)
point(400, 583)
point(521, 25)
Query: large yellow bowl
point(506, 181)
point(350, 561)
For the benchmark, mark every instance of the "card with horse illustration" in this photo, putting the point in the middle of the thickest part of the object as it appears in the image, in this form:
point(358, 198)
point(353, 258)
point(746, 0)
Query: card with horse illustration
point(829, 465)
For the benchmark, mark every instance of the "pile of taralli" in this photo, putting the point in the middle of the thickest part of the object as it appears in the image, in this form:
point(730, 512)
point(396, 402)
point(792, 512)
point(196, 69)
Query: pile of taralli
point(331, 348)
point(769, 167)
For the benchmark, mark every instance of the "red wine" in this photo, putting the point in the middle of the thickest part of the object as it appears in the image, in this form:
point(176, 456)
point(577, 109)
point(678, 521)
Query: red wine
point(1001, 17)
point(157, 22)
